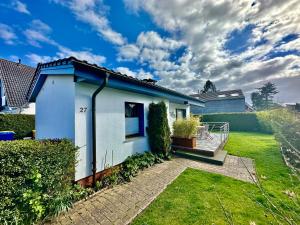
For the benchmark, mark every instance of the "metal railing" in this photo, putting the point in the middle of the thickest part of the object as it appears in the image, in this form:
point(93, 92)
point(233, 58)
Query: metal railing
point(220, 128)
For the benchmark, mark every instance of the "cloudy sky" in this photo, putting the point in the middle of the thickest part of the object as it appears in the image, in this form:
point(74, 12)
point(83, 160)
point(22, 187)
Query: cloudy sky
point(180, 43)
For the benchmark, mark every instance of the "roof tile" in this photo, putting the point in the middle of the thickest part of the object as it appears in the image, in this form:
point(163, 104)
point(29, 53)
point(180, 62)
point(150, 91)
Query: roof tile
point(16, 79)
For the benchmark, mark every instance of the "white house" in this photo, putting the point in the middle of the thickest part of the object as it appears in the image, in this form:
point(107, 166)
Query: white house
point(64, 94)
point(15, 81)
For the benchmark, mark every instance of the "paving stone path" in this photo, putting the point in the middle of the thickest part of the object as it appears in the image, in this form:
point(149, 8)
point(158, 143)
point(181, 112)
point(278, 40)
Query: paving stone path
point(122, 203)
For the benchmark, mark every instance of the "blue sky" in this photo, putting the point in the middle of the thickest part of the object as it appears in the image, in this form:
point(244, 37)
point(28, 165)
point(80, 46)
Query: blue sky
point(236, 44)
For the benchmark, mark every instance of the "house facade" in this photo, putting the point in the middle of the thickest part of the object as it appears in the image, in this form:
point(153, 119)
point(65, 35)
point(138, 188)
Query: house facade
point(220, 102)
point(15, 81)
point(64, 109)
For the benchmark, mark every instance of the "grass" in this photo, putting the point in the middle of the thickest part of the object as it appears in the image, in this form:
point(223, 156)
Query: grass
point(193, 197)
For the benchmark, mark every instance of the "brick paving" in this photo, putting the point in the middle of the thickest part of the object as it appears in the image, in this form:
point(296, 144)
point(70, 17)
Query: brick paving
point(122, 203)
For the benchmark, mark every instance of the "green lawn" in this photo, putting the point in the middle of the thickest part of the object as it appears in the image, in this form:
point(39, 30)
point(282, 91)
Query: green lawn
point(193, 197)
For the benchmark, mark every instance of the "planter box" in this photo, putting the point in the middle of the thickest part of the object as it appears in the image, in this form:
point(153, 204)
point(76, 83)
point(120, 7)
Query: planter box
point(7, 135)
point(184, 142)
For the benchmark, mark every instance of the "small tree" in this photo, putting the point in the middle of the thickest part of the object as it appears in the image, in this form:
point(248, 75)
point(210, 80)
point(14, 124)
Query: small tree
point(257, 100)
point(158, 129)
point(209, 87)
point(263, 99)
point(267, 92)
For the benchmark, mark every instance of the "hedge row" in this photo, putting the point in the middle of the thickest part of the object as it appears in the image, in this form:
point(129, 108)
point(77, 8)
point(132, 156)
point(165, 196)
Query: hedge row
point(251, 122)
point(35, 179)
point(21, 124)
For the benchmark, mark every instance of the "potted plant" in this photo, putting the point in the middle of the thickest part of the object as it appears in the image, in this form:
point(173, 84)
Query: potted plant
point(184, 132)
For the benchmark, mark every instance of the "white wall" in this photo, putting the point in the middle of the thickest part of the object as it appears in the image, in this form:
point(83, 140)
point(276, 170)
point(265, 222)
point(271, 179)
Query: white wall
point(172, 112)
point(30, 109)
point(55, 108)
point(112, 146)
point(63, 110)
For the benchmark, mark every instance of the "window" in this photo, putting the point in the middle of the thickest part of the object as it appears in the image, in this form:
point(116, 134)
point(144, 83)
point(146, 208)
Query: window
point(134, 119)
point(234, 94)
point(180, 114)
point(222, 96)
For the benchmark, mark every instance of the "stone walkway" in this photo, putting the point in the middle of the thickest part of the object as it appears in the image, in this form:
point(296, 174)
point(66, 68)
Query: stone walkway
point(122, 203)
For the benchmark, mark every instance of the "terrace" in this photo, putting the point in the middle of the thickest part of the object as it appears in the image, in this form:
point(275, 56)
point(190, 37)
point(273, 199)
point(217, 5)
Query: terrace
point(210, 141)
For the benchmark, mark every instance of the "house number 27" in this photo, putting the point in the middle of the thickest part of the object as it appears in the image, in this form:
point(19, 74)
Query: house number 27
point(82, 109)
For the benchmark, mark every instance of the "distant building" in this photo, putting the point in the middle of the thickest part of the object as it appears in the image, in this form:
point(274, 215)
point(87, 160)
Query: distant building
point(15, 81)
point(293, 106)
point(220, 102)
point(297, 107)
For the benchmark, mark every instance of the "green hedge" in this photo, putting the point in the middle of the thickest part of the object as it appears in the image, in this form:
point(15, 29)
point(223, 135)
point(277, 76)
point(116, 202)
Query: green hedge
point(158, 128)
point(21, 124)
point(35, 179)
point(251, 122)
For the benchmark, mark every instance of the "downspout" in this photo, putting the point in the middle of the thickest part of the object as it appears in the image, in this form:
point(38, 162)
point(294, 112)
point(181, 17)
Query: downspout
point(99, 89)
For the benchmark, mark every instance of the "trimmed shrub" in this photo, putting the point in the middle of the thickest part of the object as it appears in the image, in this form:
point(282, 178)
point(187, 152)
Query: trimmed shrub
point(35, 179)
point(21, 124)
point(251, 122)
point(136, 162)
point(186, 128)
point(158, 128)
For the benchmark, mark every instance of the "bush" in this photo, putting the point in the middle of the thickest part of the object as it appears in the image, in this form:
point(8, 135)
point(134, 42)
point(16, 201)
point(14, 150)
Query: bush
point(251, 122)
point(21, 124)
point(134, 163)
point(35, 179)
point(286, 127)
point(186, 128)
point(158, 129)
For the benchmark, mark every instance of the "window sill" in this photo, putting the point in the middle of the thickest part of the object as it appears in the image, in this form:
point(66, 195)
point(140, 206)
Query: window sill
point(130, 139)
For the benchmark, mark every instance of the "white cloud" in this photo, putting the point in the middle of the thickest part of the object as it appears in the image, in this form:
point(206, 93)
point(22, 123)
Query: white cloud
point(203, 27)
point(35, 58)
point(128, 52)
point(93, 12)
point(39, 33)
point(20, 7)
point(153, 40)
point(140, 74)
point(81, 55)
point(150, 49)
point(7, 34)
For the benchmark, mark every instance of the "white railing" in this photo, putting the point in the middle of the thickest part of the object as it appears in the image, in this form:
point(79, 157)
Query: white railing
point(220, 128)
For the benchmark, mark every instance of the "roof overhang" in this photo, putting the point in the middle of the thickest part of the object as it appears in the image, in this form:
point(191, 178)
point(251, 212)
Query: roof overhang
point(94, 76)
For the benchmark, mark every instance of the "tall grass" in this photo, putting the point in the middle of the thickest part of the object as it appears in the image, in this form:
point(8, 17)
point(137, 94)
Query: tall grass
point(186, 128)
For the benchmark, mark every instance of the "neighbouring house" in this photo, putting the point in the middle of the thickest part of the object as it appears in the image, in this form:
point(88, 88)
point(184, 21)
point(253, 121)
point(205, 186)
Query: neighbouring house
point(15, 81)
point(64, 93)
point(220, 102)
point(293, 106)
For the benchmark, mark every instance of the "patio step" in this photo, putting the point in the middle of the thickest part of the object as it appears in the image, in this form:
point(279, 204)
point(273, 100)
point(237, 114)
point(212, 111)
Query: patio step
point(196, 151)
point(217, 159)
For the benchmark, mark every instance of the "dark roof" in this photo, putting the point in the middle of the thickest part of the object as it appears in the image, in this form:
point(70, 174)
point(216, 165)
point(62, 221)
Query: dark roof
point(81, 64)
point(16, 79)
point(220, 95)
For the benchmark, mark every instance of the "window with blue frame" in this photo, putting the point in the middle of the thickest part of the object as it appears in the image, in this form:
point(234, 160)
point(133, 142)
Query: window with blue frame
point(134, 119)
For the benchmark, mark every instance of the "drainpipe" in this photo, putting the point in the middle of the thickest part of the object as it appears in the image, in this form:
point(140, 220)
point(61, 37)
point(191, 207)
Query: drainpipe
point(99, 89)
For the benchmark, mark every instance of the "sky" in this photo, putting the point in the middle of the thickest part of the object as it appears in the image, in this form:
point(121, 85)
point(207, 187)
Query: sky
point(237, 44)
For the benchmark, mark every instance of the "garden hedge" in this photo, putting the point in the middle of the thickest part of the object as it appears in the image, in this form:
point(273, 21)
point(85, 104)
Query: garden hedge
point(158, 129)
point(35, 179)
point(21, 124)
point(251, 122)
